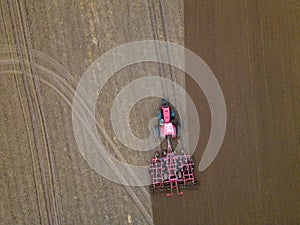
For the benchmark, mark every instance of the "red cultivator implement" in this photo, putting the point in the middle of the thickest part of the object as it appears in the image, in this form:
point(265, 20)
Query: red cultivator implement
point(172, 172)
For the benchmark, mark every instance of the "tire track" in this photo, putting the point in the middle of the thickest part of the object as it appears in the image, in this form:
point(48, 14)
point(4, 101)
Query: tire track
point(30, 107)
point(14, 72)
point(167, 38)
point(37, 93)
point(21, 34)
point(68, 99)
point(66, 92)
point(163, 74)
point(102, 131)
point(154, 21)
point(154, 29)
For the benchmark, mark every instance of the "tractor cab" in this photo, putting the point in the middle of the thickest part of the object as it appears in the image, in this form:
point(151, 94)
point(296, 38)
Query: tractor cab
point(166, 113)
point(167, 127)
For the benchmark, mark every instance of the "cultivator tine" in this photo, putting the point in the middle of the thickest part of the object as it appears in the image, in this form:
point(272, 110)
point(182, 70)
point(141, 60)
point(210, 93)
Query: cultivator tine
point(171, 191)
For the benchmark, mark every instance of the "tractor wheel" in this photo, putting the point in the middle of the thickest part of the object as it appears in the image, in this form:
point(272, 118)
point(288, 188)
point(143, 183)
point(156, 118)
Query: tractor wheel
point(159, 115)
point(173, 114)
point(156, 131)
point(178, 130)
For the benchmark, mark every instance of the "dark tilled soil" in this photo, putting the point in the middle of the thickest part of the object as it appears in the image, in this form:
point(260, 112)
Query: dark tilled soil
point(253, 49)
point(45, 47)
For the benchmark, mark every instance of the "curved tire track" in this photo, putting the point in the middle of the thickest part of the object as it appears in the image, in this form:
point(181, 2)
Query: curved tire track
point(63, 87)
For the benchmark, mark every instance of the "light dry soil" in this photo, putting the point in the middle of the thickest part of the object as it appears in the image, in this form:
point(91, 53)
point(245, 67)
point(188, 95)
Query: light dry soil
point(46, 46)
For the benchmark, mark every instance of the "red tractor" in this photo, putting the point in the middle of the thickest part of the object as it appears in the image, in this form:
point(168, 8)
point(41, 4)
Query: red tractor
point(170, 171)
point(166, 127)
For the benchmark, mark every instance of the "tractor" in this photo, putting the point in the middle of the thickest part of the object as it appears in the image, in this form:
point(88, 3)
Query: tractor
point(166, 127)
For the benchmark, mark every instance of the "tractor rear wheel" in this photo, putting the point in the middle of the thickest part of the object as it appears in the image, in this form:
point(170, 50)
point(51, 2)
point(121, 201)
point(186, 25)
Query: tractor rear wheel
point(156, 131)
point(178, 131)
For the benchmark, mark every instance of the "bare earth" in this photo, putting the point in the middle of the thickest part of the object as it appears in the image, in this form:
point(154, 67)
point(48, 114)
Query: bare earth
point(253, 49)
point(251, 46)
